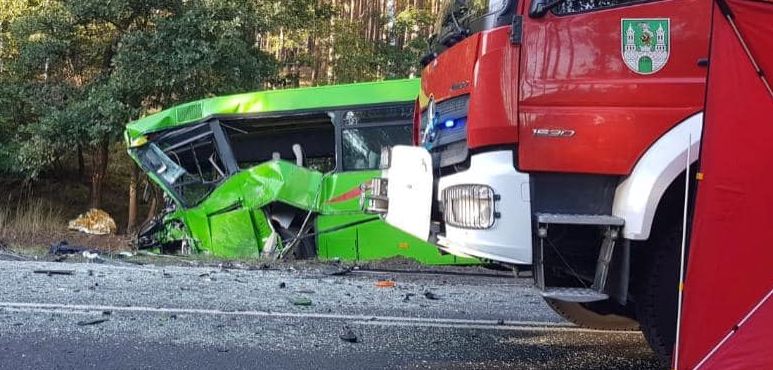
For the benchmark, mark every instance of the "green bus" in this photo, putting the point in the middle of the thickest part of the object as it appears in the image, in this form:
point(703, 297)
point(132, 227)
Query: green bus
point(278, 173)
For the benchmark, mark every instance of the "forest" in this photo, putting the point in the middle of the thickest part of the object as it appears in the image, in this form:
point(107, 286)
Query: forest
point(73, 73)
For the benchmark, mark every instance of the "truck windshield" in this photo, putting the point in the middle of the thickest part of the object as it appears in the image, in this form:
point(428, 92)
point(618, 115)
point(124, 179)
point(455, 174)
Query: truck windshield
point(458, 19)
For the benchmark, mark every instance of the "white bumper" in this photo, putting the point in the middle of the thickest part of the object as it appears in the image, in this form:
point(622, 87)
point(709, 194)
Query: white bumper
point(509, 240)
point(410, 189)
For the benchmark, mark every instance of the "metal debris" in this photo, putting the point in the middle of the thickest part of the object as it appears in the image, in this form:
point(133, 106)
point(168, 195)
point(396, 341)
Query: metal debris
point(348, 335)
point(385, 284)
point(55, 272)
point(93, 321)
point(341, 272)
point(431, 296)
point(302, 301)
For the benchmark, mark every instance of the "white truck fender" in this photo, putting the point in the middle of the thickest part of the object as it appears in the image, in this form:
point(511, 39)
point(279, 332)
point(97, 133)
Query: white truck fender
point(637, 197)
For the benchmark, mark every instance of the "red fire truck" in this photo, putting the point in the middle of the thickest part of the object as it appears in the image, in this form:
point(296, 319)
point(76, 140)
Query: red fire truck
point(558, 134)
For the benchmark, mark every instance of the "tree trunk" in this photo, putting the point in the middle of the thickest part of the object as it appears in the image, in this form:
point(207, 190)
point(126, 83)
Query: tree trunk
point(81, 164)
point(98, 173)
point(132, 224)
point(154, 202)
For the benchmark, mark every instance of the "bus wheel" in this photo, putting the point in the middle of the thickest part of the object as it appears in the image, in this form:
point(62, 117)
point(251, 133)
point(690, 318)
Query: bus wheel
point(597, 315)
point(306, 248)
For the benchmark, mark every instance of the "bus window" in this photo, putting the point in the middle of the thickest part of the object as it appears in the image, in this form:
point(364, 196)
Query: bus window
point(362, 146)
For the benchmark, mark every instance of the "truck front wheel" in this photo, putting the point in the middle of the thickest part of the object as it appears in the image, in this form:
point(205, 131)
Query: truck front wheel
point(655, 273)
point(598, 315)
point(657, 293)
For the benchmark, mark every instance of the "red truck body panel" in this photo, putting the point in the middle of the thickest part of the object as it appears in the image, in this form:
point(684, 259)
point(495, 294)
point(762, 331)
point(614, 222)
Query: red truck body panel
point(568, 74)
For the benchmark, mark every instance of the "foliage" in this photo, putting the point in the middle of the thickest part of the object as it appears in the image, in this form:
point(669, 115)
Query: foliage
point(74, 72)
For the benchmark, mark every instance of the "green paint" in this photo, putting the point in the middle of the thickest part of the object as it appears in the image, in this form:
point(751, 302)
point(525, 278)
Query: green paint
point(233, 220)
point(645, 43)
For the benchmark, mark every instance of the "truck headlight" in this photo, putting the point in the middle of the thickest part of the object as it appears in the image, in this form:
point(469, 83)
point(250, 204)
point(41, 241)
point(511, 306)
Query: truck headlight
point(469, 206)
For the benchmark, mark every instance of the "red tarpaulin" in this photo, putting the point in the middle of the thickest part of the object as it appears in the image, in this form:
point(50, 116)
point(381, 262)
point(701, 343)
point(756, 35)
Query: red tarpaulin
point(727, 317)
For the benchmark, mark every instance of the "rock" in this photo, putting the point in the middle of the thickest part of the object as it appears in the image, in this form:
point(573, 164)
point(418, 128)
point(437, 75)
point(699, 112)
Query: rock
point(431, 296)
point(407, 297)
point(282, 285)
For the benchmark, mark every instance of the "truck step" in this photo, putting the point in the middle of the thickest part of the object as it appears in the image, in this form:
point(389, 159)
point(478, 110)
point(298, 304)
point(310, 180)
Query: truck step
point(579, 219)
point(579, 295)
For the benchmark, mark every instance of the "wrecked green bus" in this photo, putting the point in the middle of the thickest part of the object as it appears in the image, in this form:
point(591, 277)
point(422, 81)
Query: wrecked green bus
point(278, 173)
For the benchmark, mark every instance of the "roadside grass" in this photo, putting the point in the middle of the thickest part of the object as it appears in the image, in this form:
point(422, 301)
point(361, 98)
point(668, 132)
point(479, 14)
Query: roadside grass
point(30, 217)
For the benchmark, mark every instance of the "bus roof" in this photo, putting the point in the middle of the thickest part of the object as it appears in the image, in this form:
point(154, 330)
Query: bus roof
point(277, 101)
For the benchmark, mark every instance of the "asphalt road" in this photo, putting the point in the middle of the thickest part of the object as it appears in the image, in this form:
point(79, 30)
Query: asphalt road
point(105, 316)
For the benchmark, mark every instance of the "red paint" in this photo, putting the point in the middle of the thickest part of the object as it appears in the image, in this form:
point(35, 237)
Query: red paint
point(569, 74)
point(349, 195)
point(455, 65)
point(573, 77)
point(729, 271)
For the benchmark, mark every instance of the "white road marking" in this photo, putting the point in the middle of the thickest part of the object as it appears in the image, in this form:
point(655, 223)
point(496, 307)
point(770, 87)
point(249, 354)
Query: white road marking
point(506, 327)
point(361, 319)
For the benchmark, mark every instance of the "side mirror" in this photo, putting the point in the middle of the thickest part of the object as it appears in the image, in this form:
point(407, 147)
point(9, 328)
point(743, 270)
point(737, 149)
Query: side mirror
point(539, 8)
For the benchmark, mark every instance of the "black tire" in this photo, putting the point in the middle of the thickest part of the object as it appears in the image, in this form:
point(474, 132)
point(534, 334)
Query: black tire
point(306, 247)
point(657, 293)
point(655, 272)
point(598, 315)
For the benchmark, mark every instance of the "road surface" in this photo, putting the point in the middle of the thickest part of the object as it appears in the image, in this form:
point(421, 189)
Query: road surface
point(79, 315)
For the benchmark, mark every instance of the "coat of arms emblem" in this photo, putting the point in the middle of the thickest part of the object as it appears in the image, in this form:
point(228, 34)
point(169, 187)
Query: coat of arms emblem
point(646, 44)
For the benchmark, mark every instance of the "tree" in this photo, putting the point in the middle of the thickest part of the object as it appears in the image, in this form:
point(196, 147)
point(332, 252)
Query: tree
point(83, 69)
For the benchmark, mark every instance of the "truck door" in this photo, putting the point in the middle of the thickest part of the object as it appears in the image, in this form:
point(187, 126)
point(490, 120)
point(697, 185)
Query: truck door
point(601, 80)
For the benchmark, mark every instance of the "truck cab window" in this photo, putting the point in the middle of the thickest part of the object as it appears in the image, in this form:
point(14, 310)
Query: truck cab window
point(580, 6)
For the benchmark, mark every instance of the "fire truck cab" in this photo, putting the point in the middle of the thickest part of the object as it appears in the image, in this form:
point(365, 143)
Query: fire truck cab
point(559, 134)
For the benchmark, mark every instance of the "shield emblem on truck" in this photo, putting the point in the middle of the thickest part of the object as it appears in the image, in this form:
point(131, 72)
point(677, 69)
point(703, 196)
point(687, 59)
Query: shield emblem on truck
point(646, 44)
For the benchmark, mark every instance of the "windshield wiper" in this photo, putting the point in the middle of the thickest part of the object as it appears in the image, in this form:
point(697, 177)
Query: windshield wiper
point(453, 37)
point(431, 54)
point(541, 7)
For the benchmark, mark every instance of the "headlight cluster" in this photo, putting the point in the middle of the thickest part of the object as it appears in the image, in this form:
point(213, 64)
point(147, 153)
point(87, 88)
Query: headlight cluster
point(469, 206)
point(374, 196)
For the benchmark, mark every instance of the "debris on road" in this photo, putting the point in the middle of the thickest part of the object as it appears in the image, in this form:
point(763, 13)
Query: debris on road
point(385, 284)
point(302, 301)
point(431, 296)
point(64, 248)
point(93, 321)
point(282, 285)
point(342, 272)
point(407, 297)
point(55, 272)
point(348, 335)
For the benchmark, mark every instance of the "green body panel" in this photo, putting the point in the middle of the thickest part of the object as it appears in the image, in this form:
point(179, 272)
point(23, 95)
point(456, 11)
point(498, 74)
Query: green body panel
point(232, 221)
point(323, 97)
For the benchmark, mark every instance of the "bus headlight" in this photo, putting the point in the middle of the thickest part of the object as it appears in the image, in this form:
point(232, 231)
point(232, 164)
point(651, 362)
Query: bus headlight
point(386, 157)
point(470, 206)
